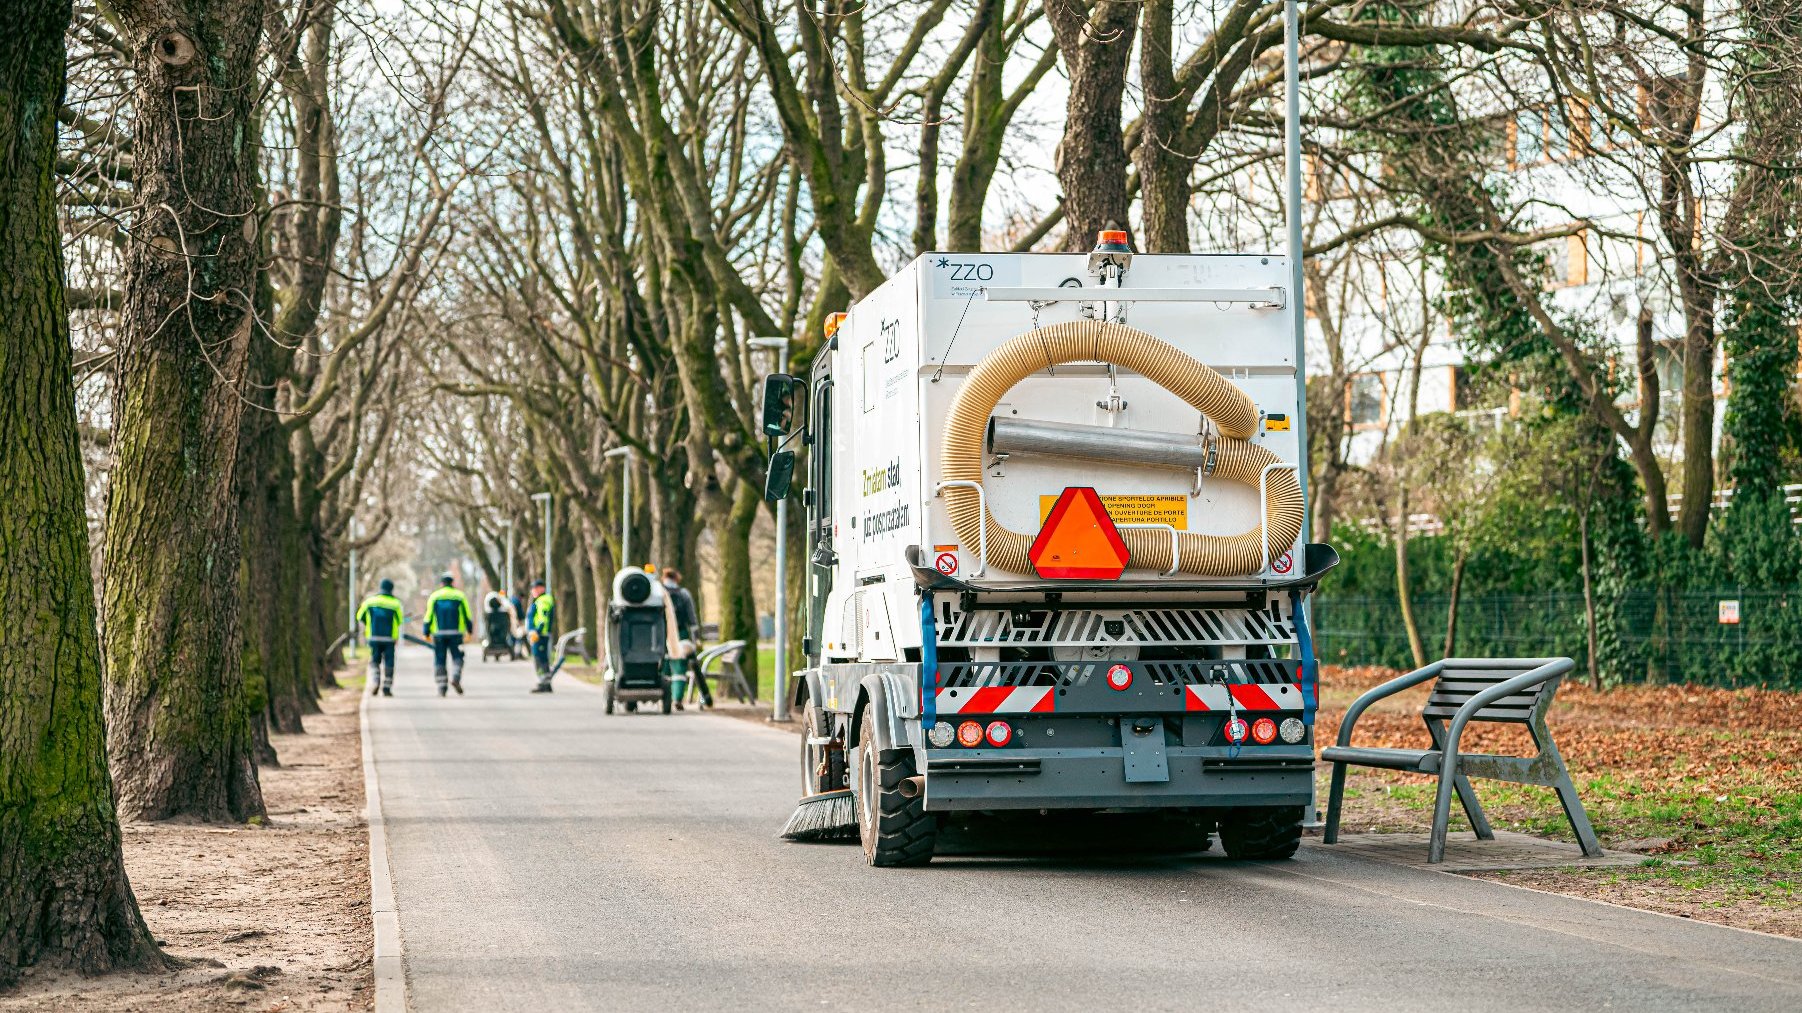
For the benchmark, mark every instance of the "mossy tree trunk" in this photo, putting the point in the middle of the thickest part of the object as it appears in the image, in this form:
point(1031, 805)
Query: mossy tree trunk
point(178, 715)
point(64, 898)
point(738, 603)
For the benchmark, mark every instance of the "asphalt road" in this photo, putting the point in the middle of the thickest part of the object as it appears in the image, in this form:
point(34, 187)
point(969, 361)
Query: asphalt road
point(549, 857)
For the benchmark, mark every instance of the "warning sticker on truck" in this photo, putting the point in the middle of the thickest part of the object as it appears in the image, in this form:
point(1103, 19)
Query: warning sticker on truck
point(1138, 509)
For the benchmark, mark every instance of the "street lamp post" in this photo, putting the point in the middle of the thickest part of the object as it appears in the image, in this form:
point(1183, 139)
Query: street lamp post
point(625, 510)
point(545, 498)
point(779, 680)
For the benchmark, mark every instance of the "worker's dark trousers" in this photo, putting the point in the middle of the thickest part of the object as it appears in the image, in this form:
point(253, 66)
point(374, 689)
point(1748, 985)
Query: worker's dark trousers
point(541, 659)
point(381, 665)
point(699, 681)
point(451, 644)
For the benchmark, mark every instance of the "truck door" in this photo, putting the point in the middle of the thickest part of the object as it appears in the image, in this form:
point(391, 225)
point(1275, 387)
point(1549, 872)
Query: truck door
point(822, 560)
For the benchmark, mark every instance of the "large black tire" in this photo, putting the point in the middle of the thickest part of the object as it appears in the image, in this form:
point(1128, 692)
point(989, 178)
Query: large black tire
point(610, 698)
point(1261, 832)
point(667, 700)
point(822, 767)
point(895, 830)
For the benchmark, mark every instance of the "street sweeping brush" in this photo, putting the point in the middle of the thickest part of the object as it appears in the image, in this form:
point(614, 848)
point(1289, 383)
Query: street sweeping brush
point(828, 816)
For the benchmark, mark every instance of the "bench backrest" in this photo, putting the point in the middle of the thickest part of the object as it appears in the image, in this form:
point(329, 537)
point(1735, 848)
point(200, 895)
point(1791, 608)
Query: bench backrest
point(1457, 684)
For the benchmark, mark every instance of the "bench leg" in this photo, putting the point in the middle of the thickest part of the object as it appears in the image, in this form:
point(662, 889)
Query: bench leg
point(1567, 791)
point(1330, 834)
point(1467, 797)
point(1442, 812)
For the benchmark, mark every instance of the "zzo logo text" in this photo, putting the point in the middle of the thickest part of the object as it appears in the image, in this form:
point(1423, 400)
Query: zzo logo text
point(961, 271)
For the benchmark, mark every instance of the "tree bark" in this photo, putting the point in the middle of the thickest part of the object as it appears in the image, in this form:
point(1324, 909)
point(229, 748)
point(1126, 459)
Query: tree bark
point(738, 603)
point(64, 897)
point(1163, 170)
point(1095, 41)
point(1451, 605)
point(178, 717)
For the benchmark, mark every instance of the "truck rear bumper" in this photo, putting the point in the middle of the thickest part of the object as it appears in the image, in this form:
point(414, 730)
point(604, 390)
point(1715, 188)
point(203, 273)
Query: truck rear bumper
point(1200, 777)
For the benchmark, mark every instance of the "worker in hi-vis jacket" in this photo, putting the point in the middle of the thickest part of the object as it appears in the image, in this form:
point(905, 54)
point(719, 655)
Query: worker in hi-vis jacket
point(539, 617)
point(382, 618)
point(447, 622)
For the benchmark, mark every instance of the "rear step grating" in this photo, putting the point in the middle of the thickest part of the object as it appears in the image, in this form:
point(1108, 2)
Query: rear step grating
point(981, 674)
point(1185, 627)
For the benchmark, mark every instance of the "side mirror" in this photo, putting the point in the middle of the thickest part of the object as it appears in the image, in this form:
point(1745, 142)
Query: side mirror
point(781, 475)
point(778, 404)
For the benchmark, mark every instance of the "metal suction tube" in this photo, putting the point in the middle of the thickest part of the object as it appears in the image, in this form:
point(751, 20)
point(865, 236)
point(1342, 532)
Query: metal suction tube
point(1177, 451)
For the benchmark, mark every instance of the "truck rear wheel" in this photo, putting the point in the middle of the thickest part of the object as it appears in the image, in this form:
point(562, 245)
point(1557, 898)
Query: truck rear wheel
point(1261, 832)
point(895, 830)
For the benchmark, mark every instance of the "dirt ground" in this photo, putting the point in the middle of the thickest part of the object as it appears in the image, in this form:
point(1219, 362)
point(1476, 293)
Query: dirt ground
point(267, 918)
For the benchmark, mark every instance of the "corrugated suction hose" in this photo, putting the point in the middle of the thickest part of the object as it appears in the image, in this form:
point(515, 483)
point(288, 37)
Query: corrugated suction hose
point(1205, 390)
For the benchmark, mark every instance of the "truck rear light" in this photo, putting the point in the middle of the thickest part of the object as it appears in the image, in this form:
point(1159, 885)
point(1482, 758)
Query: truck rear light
point(1292, 730)
point(1263, 731)
point(942, 734)
point(969, 734)
point(1119, 677)
point(1000, 733)
point(1237, 730)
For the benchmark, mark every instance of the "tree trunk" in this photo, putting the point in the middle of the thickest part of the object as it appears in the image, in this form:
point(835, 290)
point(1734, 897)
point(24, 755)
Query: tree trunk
point(1451, 605)
point(1698, 416)
point(64, 898)
point(1096, 41)
point(738, 603)
point(981, 153)
point(178, 717)
point(1163, 169)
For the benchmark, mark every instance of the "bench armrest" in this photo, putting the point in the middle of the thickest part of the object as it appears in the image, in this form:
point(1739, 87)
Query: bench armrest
point(1547, 670)
point(1390, 688)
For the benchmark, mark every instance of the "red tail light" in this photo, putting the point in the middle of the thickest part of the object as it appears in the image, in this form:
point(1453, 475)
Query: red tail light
point(1263, 731)
point(1000, 733)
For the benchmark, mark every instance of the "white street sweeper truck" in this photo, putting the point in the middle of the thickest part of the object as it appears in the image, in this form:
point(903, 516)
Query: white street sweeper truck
point(1057, 574)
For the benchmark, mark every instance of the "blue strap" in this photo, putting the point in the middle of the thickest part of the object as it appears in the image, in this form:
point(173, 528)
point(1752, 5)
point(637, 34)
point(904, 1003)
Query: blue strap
point(929, 666)
point(1310, 665)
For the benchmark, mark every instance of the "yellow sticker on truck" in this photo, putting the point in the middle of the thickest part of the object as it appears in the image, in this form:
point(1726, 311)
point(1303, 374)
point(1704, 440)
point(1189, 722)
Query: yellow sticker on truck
point(1136, 509)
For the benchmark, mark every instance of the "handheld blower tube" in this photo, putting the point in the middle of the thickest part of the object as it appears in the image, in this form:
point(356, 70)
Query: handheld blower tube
point(1201, 387)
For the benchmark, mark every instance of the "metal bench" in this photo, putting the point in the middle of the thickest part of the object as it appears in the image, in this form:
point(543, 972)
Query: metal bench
point(726, 675)
point(1509, 690)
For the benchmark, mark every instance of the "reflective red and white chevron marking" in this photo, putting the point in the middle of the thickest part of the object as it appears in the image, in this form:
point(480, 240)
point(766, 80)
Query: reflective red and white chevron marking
point(996, 700)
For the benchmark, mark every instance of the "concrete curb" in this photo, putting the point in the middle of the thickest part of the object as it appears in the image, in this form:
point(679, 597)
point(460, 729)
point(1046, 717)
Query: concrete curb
point(390, 976)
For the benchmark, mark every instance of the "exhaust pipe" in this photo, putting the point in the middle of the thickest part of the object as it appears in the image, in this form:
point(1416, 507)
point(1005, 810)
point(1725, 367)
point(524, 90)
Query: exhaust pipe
point(912, 787)
point(1101, 443)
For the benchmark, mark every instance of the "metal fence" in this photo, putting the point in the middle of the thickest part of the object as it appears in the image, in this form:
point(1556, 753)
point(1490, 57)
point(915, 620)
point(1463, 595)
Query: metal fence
point(1722, 637)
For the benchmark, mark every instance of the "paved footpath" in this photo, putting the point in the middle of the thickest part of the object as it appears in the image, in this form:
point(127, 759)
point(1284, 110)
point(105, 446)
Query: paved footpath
point(549, 857)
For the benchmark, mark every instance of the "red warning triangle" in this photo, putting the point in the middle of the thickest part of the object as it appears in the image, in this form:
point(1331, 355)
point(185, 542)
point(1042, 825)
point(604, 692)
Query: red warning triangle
point(1078, 540)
